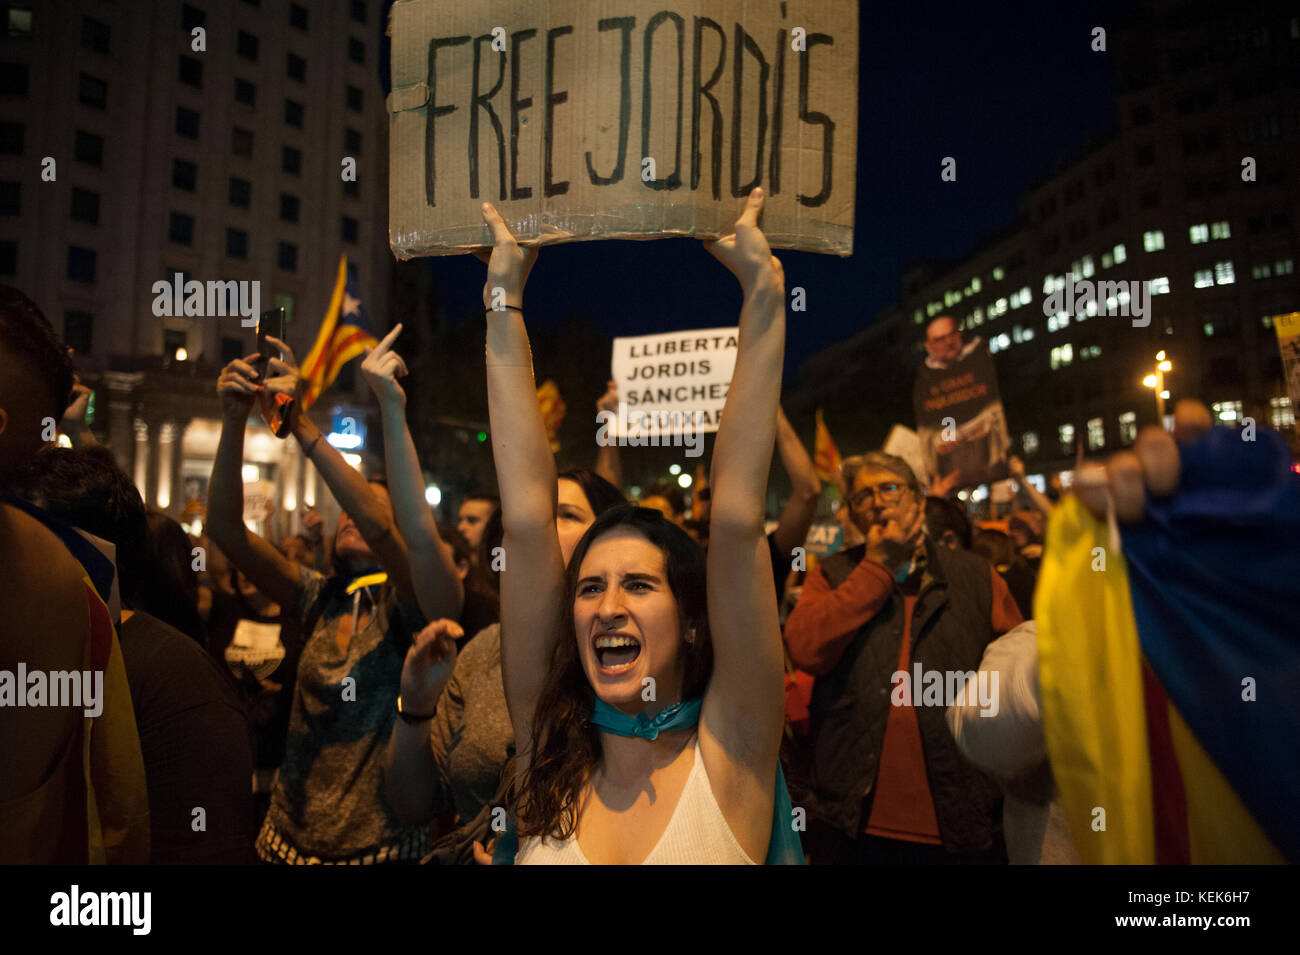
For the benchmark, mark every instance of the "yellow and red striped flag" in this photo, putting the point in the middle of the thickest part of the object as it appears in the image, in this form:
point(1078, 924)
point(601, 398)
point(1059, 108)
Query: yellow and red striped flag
point(826, 457)
point(344, 334)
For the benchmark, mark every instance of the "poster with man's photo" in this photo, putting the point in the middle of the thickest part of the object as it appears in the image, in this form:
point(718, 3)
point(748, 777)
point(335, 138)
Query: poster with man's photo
point(959, 418)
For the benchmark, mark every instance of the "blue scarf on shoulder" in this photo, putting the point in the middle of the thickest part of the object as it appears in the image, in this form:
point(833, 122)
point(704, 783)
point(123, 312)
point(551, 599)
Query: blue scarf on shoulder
point(784, 847)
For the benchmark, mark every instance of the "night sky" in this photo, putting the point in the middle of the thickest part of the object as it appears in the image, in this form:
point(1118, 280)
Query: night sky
point(1010, 90)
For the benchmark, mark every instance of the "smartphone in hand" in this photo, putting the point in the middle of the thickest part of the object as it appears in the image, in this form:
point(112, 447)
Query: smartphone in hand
point(277, 410)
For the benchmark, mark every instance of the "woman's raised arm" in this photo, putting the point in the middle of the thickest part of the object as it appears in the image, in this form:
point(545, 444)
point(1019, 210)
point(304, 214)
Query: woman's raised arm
point(743, 707)
point(433, 571)
point(532, 579)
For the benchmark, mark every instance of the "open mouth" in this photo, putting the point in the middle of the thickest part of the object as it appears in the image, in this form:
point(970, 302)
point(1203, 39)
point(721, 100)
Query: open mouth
point(616, 652)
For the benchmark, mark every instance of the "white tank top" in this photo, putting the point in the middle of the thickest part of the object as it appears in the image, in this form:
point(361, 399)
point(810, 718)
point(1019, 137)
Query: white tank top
point(697, 834)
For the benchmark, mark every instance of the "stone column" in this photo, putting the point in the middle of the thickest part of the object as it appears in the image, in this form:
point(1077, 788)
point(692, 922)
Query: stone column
point(166, 488)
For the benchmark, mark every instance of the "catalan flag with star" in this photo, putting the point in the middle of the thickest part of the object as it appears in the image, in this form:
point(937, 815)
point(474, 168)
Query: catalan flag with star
point(345, 334)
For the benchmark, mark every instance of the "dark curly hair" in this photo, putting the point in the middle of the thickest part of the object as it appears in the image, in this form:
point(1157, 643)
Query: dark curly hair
point(566, 747)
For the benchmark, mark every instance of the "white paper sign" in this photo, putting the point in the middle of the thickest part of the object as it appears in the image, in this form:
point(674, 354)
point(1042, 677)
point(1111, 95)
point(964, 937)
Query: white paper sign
point(673, 381)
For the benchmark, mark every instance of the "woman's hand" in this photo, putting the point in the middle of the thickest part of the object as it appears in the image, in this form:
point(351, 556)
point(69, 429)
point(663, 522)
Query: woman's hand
point(282, 373)
point(238, 386)
point(508, 264)
point(428, 665)
point(609, 400)
point(382, 367)
point(746, 252)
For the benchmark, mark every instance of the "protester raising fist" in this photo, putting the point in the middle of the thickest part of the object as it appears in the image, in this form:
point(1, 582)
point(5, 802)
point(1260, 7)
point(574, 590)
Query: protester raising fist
point(428, 665)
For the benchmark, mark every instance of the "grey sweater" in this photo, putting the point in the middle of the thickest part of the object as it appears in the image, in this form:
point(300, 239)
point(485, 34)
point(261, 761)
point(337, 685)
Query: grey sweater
point(471, 734)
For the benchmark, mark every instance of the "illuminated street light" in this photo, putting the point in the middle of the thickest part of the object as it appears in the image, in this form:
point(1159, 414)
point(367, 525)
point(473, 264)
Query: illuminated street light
point(684, 480)
point(675, 469)
point(1157, 381)
point(433, 495)
point(182, 354)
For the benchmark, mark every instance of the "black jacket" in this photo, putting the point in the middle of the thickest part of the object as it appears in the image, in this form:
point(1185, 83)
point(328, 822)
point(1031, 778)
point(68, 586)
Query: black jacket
point(951, 625)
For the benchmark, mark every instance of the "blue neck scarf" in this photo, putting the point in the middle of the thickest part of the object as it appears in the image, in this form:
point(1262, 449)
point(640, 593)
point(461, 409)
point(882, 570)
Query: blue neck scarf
point(783, 848)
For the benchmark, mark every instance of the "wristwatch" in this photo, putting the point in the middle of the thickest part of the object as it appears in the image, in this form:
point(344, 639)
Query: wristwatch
point(412, 718)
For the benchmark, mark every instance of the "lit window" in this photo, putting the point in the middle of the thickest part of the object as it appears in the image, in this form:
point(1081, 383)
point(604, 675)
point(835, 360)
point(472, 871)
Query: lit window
point(1128, 427)
point(1057, 322)
point(20, 21)
point(1159, 286)
point(1260, 271)
point(1153, 241)
point(998, 273)
point(1087, 266)
point(933, 309)
point(1224, 274)
point(1065, 434)
point(977, 316)
point(1284, 267)
point(916, 317)
point(1124, 297)
point(1120, 253)
point(951, 298)
point(1200, 233)
point(1204, 278)
point(1280, 413)
point(1049, 283)
point(975, 284)
point(998, 308)
point(1076, 270)
point(1096, 434)
point(1208, 328)
point(1029, 442)
point(1107, 260)
point(1062, 356)
point(1220, 230)
point(1226, 412)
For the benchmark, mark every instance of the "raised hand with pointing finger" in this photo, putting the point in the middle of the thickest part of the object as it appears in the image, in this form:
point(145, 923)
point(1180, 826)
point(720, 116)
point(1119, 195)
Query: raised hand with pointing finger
point(382, 367)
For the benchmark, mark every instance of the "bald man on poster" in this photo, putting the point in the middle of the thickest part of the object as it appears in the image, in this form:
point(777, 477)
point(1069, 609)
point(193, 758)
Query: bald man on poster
point(959, 415)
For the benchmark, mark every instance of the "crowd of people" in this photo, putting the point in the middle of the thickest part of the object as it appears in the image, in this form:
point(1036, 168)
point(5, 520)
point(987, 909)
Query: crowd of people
point(562, 676)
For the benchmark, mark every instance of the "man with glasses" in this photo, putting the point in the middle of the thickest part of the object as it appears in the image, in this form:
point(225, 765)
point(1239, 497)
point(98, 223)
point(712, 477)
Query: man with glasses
point(890, 785)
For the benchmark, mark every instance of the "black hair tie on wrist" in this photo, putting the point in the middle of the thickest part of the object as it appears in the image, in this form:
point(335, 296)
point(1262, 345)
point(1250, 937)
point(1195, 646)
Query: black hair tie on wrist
point(412, 718)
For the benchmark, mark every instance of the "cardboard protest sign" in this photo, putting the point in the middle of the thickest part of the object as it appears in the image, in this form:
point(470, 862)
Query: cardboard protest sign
point(673, 381)
point(590, 119)
point(959, 418)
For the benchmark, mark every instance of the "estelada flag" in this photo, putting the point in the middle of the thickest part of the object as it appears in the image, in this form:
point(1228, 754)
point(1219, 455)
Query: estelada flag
point(1169, 665)
point(344, 334)
point(826, 457)
point(553, 409)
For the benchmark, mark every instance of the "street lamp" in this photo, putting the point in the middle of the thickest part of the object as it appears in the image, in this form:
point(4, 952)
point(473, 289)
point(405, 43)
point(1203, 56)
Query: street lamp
point(1157, 381)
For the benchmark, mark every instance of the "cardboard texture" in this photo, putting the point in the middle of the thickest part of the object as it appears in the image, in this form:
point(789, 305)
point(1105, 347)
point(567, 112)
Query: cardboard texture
point(555, 116)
